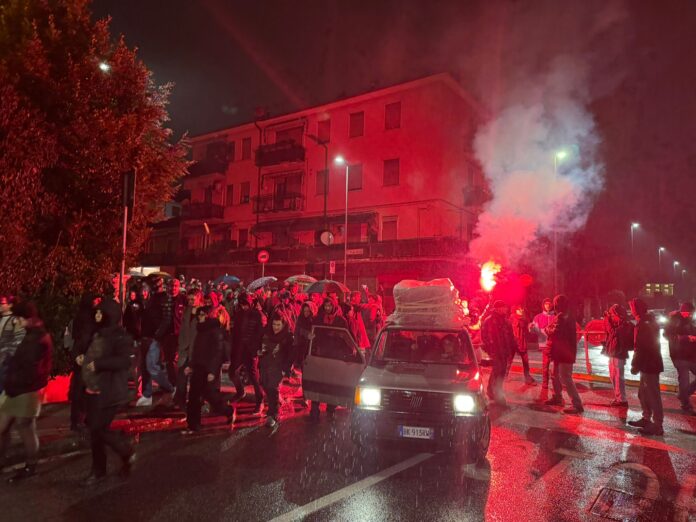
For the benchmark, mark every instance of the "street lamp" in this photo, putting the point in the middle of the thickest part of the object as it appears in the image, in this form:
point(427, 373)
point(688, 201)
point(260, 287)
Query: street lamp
point(340, 160)
point(558, 156)
point(675, 265)
point(634, 226)
point(660, 251)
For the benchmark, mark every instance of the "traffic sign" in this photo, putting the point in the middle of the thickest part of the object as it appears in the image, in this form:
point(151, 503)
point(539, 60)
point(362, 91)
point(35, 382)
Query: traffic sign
point(263, 256)
point(332, 267)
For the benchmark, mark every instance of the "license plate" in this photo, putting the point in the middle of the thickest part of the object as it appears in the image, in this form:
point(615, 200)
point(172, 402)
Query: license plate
point(416, 432)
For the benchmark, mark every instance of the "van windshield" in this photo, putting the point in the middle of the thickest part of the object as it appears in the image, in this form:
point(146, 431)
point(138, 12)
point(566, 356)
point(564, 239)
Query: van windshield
point(423, 347)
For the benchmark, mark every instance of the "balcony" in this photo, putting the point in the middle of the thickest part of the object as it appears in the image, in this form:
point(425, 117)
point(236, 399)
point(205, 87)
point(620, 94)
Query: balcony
point(208, 166)
point(267, 203)
point(203, 211)
point(281, 152)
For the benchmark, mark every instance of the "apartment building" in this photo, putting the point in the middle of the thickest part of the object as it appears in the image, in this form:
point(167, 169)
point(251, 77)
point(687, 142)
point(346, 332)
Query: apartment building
point(413, 189)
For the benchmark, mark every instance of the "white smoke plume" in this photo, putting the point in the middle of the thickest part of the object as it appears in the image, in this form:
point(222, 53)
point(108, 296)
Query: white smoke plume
point(517, 149)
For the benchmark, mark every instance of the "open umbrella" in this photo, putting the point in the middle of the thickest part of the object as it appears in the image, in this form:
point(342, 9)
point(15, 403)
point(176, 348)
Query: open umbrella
point(301, 280)
point(260, 283)
point(327, 286)
point(227, 279)
point(163, 275)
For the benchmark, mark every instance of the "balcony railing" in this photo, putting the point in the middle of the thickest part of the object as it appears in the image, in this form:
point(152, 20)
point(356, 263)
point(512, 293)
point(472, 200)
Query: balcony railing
point(266, 203)
point(208, 166)
point(280, 152)
point(202, 211)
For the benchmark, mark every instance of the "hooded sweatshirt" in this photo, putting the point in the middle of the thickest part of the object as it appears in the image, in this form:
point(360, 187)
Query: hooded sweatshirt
point(562, 336)
point(647, 357)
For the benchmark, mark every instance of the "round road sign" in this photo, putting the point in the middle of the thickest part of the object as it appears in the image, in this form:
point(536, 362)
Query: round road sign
point(263, 256)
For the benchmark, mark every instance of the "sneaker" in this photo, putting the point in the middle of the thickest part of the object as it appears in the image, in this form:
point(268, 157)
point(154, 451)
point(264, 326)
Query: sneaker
point(270, 421)
point(229, 420)
point(652, 429)
point(92, 480)
point(573, 410)
point(274, 425)
point(554, 401)
point(619, 404)
point(641, 423)
point(143, 401)
point(127, 466)
point(22, 474)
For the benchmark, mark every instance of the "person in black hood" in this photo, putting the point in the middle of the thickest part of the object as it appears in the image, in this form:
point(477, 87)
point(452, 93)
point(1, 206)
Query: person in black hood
point(105, 375)
point(647, 360)
point(207, 357)
point(499, 342)
point(681, 334)
point(28, 371)
point(247, 332)
point(276, 350)
point(83, 328)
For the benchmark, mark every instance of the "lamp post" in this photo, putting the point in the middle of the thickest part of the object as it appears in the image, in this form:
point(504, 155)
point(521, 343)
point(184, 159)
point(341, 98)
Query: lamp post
point(660, 251)
point(675, 265)
point(340, 160)
point(559, 156)
point(634, 226)
point(324, 144)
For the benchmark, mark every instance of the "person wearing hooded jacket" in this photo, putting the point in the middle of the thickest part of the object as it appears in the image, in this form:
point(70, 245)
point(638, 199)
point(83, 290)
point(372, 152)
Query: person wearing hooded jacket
point(520, 328)
point(247, 332)
point(499, 342)
point(647, 360)
point(83, 329)
point(207, 357)
point(562, 343)
point(619, 341)
point(303, 328)
point(681, 334)
point(105, 367)
point(28, 371)
point(541, 322)
point(187, 336)
point(276, 348)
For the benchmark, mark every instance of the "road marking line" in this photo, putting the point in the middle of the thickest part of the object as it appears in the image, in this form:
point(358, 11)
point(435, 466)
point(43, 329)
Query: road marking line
point(332, 498)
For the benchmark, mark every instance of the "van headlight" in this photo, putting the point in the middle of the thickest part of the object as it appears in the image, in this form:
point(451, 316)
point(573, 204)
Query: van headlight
point(368, 398)
point(464, 404)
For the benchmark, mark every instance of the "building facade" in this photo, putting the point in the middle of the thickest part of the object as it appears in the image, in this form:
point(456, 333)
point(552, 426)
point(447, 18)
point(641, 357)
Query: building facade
point(413, 190)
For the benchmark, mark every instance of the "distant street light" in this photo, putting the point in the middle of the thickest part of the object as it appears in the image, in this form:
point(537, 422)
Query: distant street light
point(683, 274)
point(634, 226)
point(104, 67)
point(660, 251)
point(558, 156)
point(675, 265)
point(340, 160)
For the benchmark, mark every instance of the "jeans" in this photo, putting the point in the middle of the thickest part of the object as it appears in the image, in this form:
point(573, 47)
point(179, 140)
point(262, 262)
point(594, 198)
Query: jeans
point(686, 386)
point(202, 389)
point(563, 376)
point(545, 369)
point(270, 381)
point(99, 421)
point(250, 364)
point(154, 368)
point(170, 348)
point(650, 397)
point(616, 376)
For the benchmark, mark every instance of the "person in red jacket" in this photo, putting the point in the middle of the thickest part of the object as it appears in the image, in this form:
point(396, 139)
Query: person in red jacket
point(647, 360)
point(563, 349)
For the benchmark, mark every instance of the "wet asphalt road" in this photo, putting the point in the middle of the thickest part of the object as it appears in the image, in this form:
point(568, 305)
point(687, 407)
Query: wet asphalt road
point(542, 465)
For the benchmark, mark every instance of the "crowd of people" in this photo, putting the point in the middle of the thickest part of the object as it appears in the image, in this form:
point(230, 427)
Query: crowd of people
point(504, 336)
point(182, 337)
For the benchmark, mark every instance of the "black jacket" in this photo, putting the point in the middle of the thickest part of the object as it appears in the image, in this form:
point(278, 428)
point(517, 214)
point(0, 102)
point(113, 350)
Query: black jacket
point(133, 318)
point(247, 332)
point(83, 326)
point(677, 332)
point(157, 318)
point(29, 368)
point(647, 357)
point(283, 341)
point(113, 363)
point(619, 338)
point(562, 338)
point(498, 338)
point(208, 348)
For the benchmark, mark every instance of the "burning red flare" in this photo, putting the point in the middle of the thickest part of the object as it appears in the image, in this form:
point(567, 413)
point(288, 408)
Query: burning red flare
point(488, 272)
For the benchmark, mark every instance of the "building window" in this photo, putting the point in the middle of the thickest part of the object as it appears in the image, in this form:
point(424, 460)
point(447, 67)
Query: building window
point(324, 131)
point(391, 172)
point(392, 116)
point(293, 134)
point(355, 232)
point(389, 228)
point(322, 182)
point(244, 193)
point(357, 124)
point(243, 237)
point(355, 177)
point(246, 148)
point(229, 195)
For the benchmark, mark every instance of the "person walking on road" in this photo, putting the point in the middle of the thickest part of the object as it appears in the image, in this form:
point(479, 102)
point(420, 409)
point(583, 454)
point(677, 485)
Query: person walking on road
point(520, 328)
point(276, 349)
point(157, 324)
point(647, 360)
point(187, 336)
point(10, 335)
point(539, 325)
point(207, 357)
point(28, 371)
point(302, 330)
point(83, 328)
point(681, 334)
point(499, 343)
point(619, 341)
point(105, 367)
point(247, 332)
point(562, 341)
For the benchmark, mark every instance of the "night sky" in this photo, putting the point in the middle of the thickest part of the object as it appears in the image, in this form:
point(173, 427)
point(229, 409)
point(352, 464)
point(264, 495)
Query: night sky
point(227, 58)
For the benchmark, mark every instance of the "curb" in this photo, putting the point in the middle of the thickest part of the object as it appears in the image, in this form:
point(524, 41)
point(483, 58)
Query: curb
point(597, 378)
